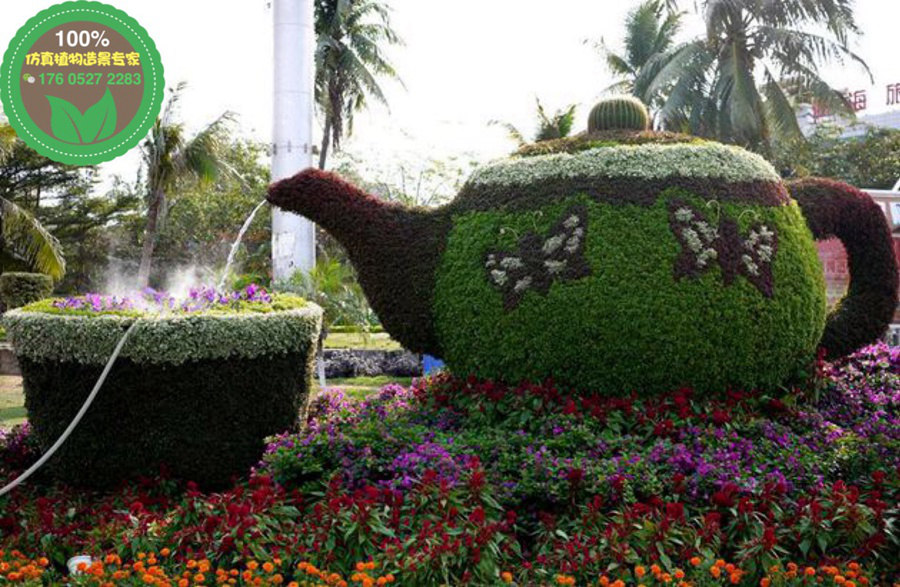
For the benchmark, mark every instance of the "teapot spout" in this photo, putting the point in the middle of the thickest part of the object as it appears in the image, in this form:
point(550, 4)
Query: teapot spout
point(394, 249)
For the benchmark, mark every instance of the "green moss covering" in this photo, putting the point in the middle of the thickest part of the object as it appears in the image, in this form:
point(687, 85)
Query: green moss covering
point(630, 324)
point(18, 289)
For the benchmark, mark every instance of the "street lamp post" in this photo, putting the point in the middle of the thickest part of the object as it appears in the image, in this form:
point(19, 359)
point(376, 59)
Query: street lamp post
point(293, 237)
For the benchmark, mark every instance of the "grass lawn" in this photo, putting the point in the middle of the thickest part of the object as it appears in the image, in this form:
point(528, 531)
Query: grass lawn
point(380, 341)
point(12, 411)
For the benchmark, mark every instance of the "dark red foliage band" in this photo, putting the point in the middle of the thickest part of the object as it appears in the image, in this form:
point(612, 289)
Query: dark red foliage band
point(617, 190)
point(835, 209)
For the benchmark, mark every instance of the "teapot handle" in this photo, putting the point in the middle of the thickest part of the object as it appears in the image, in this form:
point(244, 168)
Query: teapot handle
point(835, 209)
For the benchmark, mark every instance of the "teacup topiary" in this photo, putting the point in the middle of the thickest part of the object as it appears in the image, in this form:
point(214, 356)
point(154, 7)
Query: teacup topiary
point(196, 389)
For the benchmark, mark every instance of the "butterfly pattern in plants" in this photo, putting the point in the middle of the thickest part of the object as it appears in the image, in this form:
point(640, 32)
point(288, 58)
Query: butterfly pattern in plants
point(705, 244)
point(541, 260)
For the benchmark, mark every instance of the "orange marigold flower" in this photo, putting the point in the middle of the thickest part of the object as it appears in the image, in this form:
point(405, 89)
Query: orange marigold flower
point(253, 565)
point(268, 567)
point(617, 583)
point(679, 574)
point(792, 567)
point(360, 567)
point(639, 571)
point(604, 581)
point(199, 578)
point(505, 576)
point(720, 563)
point(810, 572)
point(715, 571)
point(277, 578)
point(165, 551)
point(849, 584)
point(853, 566)
point(655, 569)
point(695, 561)
point(765, 582)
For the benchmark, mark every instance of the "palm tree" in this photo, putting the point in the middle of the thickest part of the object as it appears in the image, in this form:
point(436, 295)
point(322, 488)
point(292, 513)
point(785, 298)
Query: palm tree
point(557, 126)
point(740, 83)
point(650, 31)
point(173, 160)
point(21, 235)
point(350, 36)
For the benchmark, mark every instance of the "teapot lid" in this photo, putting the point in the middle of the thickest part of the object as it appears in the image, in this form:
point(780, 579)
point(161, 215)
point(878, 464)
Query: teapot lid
point(623, 164)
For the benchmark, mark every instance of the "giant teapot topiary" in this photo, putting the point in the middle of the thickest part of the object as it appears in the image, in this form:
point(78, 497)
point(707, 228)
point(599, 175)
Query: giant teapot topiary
point(617, 260)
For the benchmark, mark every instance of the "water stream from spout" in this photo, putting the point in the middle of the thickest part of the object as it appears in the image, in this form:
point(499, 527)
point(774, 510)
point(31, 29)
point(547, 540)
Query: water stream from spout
point(237, 243)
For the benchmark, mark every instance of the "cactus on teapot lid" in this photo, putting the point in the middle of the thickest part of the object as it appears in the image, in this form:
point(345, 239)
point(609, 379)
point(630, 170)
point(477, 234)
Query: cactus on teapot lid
point(619, 113)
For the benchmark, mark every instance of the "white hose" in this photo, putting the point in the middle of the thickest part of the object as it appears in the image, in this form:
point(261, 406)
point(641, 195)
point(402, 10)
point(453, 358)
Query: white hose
point(84, 408)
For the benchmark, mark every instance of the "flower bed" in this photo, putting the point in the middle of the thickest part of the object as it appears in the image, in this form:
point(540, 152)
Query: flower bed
point(196, 387)
point(468, 482)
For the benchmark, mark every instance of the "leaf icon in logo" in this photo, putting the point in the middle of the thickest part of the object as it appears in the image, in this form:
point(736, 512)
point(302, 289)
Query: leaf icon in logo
point(71, 126)
point(63, 117)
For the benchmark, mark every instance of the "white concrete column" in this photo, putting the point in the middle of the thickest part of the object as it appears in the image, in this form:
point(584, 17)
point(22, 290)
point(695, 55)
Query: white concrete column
point(293, 237)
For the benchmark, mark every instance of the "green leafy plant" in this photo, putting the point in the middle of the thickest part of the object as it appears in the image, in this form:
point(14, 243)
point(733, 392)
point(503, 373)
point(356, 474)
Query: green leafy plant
point(18, 289)
point(96, 124)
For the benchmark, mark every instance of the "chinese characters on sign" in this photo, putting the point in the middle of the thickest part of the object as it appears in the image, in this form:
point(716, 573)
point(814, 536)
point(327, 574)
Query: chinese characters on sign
point(88, 59)
point(859, 101)
point(893, 94)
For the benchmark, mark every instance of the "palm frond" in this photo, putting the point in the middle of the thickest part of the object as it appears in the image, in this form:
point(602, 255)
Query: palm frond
point(779, 110)
point(26, 239)
point(511, 131)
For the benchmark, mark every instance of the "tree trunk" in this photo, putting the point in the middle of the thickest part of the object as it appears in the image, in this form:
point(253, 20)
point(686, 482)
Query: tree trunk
point(323, 152)
point(150, 238)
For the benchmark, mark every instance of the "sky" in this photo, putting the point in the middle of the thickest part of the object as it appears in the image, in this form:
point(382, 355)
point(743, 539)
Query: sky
point(463, 64)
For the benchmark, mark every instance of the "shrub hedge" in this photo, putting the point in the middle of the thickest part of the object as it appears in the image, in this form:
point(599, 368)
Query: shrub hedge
point(18, 289)
point(196, 393)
